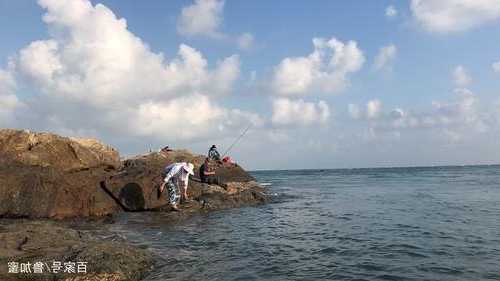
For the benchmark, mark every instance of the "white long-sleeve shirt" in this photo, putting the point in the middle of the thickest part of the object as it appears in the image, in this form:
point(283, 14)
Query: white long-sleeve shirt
point(177, 172)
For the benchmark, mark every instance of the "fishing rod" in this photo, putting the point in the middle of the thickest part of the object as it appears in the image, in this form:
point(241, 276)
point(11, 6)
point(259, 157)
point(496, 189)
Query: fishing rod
point(237, 139)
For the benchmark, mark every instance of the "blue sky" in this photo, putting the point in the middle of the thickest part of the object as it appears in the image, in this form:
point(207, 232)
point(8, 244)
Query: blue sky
point(415, 87)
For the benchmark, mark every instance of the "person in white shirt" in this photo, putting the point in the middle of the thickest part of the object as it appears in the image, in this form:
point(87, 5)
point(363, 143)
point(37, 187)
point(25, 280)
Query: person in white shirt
point(176, 178)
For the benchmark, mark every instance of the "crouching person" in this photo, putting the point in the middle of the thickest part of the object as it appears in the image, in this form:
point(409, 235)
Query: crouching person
point(176, 180)
point(207, 173)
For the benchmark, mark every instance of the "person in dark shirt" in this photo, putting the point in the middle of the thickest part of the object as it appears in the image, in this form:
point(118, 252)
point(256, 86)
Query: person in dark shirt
point(207, 174)
point(213, 154)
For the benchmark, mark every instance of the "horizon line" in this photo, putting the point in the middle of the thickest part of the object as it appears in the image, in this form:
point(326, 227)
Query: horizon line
point(379, 167)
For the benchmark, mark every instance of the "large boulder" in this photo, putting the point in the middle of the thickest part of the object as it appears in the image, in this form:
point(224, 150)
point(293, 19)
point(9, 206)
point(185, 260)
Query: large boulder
point(41, 192)
point(46, 175)
point(50, 150)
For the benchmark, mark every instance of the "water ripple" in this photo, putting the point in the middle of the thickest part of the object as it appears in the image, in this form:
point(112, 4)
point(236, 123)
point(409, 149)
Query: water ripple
point(359, 224)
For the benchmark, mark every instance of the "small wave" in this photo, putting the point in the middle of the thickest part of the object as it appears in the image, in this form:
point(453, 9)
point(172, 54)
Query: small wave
point(265, 183)
point(329, 250)
point(442, 269)
point(371, 266)
point(404, 246)
point(401, 225)
point(390, 277)
point(270, 194)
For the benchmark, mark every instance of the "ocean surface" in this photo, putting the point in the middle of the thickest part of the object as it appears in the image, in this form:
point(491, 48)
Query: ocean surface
point(436, 223)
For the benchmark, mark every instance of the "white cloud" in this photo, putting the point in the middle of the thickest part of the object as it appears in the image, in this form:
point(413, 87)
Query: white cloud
point(203, 17)
point(93, 66)
point(245, 41)
point(195, 116)
point(462, 111)
point(299, 113)
point(7, 83)
point(373, 109)
point(325, 70)
point(385, 56)
point(461, 77)
point(454, 15)
point(496, 66)
point(458, 117)
point(391, 11)
point(40, 61)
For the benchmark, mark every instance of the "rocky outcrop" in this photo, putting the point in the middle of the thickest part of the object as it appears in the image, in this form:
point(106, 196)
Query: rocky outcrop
point(44, 175)
point(38, 192)
point(137, 183)
point(52, 151)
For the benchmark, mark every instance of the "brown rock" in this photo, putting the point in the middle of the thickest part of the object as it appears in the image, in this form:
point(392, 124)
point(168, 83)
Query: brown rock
point(45, 175)
point(105, 154)
point(50, 150)
point(45, 241)
point(136, 184)
point(38, 192)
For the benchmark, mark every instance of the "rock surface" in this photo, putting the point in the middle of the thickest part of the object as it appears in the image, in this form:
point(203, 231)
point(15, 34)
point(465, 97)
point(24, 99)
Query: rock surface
point(137, 183)
point(52, 151)
point(45, 241)
point(44, 175)
point(37, 192)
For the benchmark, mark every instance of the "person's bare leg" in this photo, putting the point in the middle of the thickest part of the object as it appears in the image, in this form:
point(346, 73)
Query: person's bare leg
point(174, 206)
point(185, 193)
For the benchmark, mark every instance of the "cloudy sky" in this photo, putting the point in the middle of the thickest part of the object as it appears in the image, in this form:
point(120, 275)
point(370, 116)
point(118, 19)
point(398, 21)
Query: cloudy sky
point(321, 84)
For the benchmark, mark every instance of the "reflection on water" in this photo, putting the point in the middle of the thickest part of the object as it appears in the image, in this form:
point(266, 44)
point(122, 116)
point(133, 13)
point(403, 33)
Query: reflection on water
point(438, 223)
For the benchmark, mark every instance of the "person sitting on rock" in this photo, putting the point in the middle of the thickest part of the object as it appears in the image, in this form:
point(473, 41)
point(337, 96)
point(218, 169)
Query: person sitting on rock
point(207, 173)
point(166, 149)
point(176, 174)
point(213, 154)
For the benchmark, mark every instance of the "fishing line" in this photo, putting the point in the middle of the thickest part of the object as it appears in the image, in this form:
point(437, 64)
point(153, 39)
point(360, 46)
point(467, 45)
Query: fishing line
point(237, 139)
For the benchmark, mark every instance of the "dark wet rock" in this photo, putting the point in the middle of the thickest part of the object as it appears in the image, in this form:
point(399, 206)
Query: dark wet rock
point(44, 241)
point(233, 173)
point(217, 200)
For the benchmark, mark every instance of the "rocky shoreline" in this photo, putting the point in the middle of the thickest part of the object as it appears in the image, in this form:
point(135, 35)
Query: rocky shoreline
point(52, 187)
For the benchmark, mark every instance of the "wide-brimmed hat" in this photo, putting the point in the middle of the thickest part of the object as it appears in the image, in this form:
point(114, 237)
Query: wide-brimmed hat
point(189, 167)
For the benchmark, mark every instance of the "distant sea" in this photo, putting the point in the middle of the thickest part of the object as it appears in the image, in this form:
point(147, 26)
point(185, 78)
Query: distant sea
point(436, 223)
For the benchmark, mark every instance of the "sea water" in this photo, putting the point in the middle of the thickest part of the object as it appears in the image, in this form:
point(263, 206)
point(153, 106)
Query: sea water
point(433, 223)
